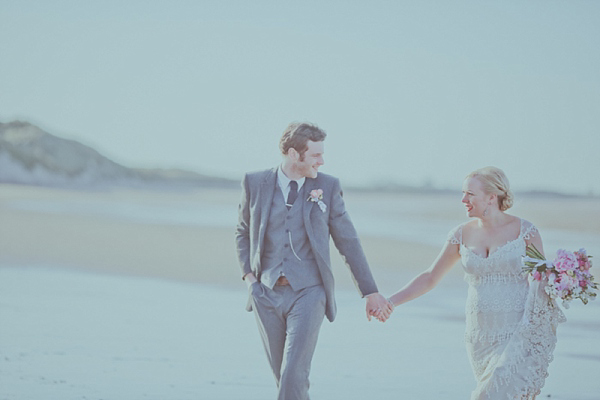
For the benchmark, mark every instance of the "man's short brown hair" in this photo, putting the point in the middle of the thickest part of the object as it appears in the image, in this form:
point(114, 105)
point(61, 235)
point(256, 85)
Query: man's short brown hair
point(297, 135)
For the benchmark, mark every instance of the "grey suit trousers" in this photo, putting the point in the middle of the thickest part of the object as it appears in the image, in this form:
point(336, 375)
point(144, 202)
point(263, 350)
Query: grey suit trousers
point(289, 322)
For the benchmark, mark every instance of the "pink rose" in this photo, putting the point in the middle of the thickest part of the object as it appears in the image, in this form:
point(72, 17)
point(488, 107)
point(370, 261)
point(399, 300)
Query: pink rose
point(565, 261)
point(316, 195)
point(567, 282)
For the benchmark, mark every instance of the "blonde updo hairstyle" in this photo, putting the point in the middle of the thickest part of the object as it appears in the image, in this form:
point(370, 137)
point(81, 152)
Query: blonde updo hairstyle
point(495, 182)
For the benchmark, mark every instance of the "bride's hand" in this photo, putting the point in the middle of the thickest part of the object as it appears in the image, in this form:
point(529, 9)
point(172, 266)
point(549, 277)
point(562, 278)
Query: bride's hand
point(382, 315)
point(378, 307)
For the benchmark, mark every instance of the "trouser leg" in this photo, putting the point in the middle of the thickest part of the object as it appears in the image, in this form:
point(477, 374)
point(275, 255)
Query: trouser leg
point(271, 325)
point(304, 316)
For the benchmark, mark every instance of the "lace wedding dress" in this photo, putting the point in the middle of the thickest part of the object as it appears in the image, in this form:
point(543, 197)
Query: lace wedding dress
point(511, 323)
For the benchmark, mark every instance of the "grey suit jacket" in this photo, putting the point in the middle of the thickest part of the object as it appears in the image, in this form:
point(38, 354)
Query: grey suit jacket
point(258, 189)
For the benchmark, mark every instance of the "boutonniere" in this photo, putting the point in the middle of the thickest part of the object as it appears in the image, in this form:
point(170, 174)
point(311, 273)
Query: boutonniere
point(316, 196)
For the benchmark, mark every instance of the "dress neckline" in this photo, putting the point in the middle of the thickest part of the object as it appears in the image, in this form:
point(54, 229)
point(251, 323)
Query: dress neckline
point(499, 248)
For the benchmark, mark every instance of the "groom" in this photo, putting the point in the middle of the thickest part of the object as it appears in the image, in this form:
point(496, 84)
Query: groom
point(286, 217)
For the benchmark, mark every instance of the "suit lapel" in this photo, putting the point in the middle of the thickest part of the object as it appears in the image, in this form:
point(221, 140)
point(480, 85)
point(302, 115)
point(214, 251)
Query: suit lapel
point(309, 185)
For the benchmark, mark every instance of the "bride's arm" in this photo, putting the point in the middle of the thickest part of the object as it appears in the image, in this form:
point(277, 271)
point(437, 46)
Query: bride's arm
point(429, 278)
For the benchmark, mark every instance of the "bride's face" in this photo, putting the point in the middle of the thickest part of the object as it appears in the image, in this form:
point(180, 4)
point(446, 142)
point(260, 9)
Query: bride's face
point(474, 197)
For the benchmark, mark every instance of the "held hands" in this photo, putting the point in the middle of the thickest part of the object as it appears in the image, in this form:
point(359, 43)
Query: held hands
point(378, 307)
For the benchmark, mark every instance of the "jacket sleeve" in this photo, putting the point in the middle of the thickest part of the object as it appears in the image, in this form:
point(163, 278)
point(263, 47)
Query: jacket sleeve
point(242, 234)
point(348, 244)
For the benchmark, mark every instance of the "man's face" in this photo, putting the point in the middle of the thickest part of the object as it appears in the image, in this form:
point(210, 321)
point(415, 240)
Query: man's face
point(313, 159)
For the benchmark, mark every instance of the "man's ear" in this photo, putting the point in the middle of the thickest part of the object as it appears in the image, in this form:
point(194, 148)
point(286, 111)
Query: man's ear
point(293, 154)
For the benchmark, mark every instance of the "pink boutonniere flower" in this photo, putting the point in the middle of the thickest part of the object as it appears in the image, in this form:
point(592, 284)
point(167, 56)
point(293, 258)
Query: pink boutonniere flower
point(316, 196)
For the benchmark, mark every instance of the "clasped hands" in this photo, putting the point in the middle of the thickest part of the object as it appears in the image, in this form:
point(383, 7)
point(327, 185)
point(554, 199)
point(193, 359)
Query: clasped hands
point(378, 307)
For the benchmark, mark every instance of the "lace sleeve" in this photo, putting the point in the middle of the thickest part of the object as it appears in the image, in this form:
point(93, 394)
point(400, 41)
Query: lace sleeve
point(455, 235)
point(528, 230)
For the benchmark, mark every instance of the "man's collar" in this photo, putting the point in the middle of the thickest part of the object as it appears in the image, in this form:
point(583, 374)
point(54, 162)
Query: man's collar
point(284, 181)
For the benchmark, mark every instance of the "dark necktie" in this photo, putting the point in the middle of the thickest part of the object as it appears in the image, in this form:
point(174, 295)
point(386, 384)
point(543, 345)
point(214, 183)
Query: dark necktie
point(292, 195)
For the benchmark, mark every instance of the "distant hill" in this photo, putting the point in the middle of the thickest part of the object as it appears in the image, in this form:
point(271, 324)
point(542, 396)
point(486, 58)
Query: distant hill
point(31, 156)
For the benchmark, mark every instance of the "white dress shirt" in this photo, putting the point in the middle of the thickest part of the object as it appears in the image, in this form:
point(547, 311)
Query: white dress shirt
point(284, 183)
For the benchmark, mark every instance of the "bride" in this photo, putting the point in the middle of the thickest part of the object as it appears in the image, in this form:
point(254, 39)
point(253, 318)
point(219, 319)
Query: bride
point(511, 323)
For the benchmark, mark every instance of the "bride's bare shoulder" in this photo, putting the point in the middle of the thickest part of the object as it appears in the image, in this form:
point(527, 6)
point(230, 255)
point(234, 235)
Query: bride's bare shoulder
point(471, 225)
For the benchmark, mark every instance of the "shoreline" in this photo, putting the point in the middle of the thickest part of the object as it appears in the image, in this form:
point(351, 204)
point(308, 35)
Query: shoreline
point(189, 237)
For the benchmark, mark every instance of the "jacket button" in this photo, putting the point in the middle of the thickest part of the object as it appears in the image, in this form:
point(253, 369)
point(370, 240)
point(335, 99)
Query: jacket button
point(285, 259)
point(286, 245)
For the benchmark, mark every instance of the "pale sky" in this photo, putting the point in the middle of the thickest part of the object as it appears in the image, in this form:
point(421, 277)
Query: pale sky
point(407, 92)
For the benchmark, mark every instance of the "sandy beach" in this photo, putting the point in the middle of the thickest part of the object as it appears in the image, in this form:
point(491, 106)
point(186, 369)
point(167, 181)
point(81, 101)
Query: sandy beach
point(137, 295)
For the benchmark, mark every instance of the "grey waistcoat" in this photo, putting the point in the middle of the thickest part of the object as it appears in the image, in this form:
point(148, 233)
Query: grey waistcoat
point(287, 249)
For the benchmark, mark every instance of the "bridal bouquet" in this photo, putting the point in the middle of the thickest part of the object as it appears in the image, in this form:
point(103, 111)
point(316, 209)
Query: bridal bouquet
point(568, 275)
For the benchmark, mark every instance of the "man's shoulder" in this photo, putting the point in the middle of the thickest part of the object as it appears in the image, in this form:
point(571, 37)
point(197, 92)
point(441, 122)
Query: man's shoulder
point(257, 176)
point(326, 179)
